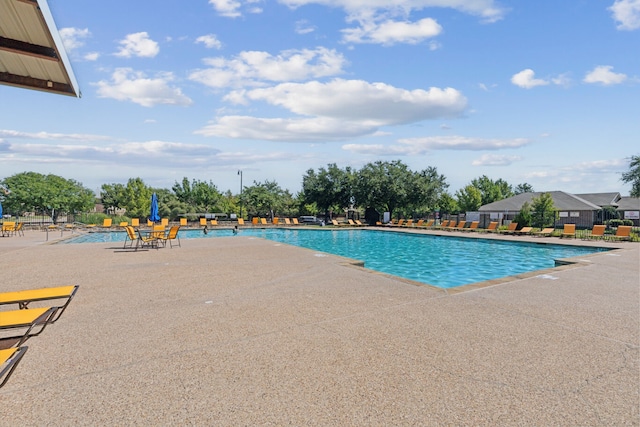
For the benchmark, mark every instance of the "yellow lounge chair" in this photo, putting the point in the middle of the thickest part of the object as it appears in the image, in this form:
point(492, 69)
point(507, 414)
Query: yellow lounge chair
point(123, 224)
point(240, 221)
point(130, 237)
point(9, 360)
point(511, 228)
point(493, 227)
point(149, 223)
point(263, 221)
point(135, 222)
point(18, 229)
point(400, 222)
point(444, 223)
point(429, 223)
point(569, 231)
point(32, 321)
point(287, 221)
point(203, 221)
point(295, 221)
point(545, 232)
point(183, 222)
point(359, 223)
point(472, 227)
point(107, 223)
point(597, 232)
point(275, 220)
point(622, 233)
point(214, 222)
point(171, 236)
point(523, 230)
point(25, 297)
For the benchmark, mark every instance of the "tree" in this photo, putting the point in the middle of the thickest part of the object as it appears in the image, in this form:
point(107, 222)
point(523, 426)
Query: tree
point(263, 199)
point(425, 190)
point(447, 204)
point(204, 196)
point(469, 198)
point(523, 188)
point(543, 211)
point(633, 176)
point(328, 188)
point(383, 186)
point(492, 191)
point(524, 218)
point(50, 194)
point(134, 197)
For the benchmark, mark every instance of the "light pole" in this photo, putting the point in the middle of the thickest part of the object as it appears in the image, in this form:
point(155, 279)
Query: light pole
point(240, 173)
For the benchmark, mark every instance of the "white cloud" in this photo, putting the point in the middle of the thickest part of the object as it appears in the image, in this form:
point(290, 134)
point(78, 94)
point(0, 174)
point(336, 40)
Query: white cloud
point(304, 27)
point(320, 129)
point(421, 146)
point(526, 79)
point(488, 10)
point(51, 136)
point(255, 67)
point(627, 14)
point(336, 110)
point(495, 160)
point(138, 44)
point(604, 75)
point(228, 8)
point(391, 32)
point(73, 38)
point(91, 56)
point(127, 85)
point(210, 41)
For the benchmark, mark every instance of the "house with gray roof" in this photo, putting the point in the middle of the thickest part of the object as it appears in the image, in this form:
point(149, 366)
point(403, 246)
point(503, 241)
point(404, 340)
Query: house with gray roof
point(584, 210)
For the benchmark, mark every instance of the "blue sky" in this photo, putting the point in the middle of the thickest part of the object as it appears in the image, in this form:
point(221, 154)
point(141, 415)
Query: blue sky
point(543, 92)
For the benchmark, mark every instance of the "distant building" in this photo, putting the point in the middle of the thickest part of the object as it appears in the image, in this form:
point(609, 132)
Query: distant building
point(584, 210)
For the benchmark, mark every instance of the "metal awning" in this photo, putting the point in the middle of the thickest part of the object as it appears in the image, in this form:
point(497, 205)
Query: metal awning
point(31, 52)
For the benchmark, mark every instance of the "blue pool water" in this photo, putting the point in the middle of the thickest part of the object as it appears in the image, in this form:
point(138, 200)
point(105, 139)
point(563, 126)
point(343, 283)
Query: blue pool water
point(442, 261)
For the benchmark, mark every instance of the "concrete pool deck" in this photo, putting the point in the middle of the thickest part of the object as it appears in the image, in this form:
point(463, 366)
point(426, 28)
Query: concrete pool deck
point(244, 331)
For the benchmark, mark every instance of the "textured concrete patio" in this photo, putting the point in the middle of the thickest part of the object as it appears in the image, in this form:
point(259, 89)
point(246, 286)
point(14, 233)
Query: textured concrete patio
point(241, 331)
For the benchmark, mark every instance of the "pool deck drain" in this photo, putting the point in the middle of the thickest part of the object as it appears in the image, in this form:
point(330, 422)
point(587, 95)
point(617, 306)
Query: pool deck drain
point(237, 331)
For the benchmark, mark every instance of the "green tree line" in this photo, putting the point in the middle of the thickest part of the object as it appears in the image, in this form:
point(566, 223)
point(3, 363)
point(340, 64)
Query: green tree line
point(382, 186)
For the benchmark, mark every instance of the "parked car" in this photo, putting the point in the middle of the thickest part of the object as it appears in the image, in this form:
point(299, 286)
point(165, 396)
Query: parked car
point(310, 219)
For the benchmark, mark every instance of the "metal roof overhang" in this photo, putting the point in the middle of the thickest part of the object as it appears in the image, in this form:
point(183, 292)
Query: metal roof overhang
point(31, 52)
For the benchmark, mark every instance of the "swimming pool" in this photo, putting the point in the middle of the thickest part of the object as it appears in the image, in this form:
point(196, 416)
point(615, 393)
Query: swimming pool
point(442, 261)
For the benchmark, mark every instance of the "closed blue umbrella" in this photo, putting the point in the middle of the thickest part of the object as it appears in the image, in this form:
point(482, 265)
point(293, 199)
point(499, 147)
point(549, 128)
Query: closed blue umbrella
point(0, 210)
point(154, 216)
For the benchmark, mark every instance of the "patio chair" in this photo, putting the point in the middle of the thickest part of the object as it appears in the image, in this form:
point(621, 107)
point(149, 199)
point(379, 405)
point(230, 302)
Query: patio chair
point(472, 227)
point(164, 222)
point(287, 221)
point(597, 232)
point(295, 221)
point(545, 232)
point(359, 223)
point(444, 223)
point(429, 223)
point(135, 222)
point(183, 222)
point(275, 220)
point(214, 222)
point(9, 360)
point(107, 223)
point(622, 233)
point(24, 323)
point(19, 229)
point(240, 221)
point(203, 221)
point(24, 297)
point(569, 231)
point(8, 227)
point(263, 221)
point(171, 236)
point(130, 238)
point(149, 241)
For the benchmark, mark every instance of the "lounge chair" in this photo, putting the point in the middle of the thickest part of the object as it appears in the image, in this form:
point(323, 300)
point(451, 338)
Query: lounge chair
point(240, 221)
point(275, 220)
point(135, 222)
point(400, 222)
point(107, 223)
point(472, 227)
point(9, 360)
point(25, 297)
point(164, 222)
point(287, 221)
point(19, 229)
point(214, 222)
point(523, 230)
point(171, 236)
point(203, 221)
point(510, 228)
point(569, 231)
point(24, 323)
point(409, 223)
point(255, 220)
point(622, 233)
point(444, 223)
point(149, 223)
point(183, 222)
point(295, 221)
point(359, 223)
point(263, 221)
point(545, 232)
point(597, 232)
point(492, 228)
point(429, 223)
point(123, 224)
